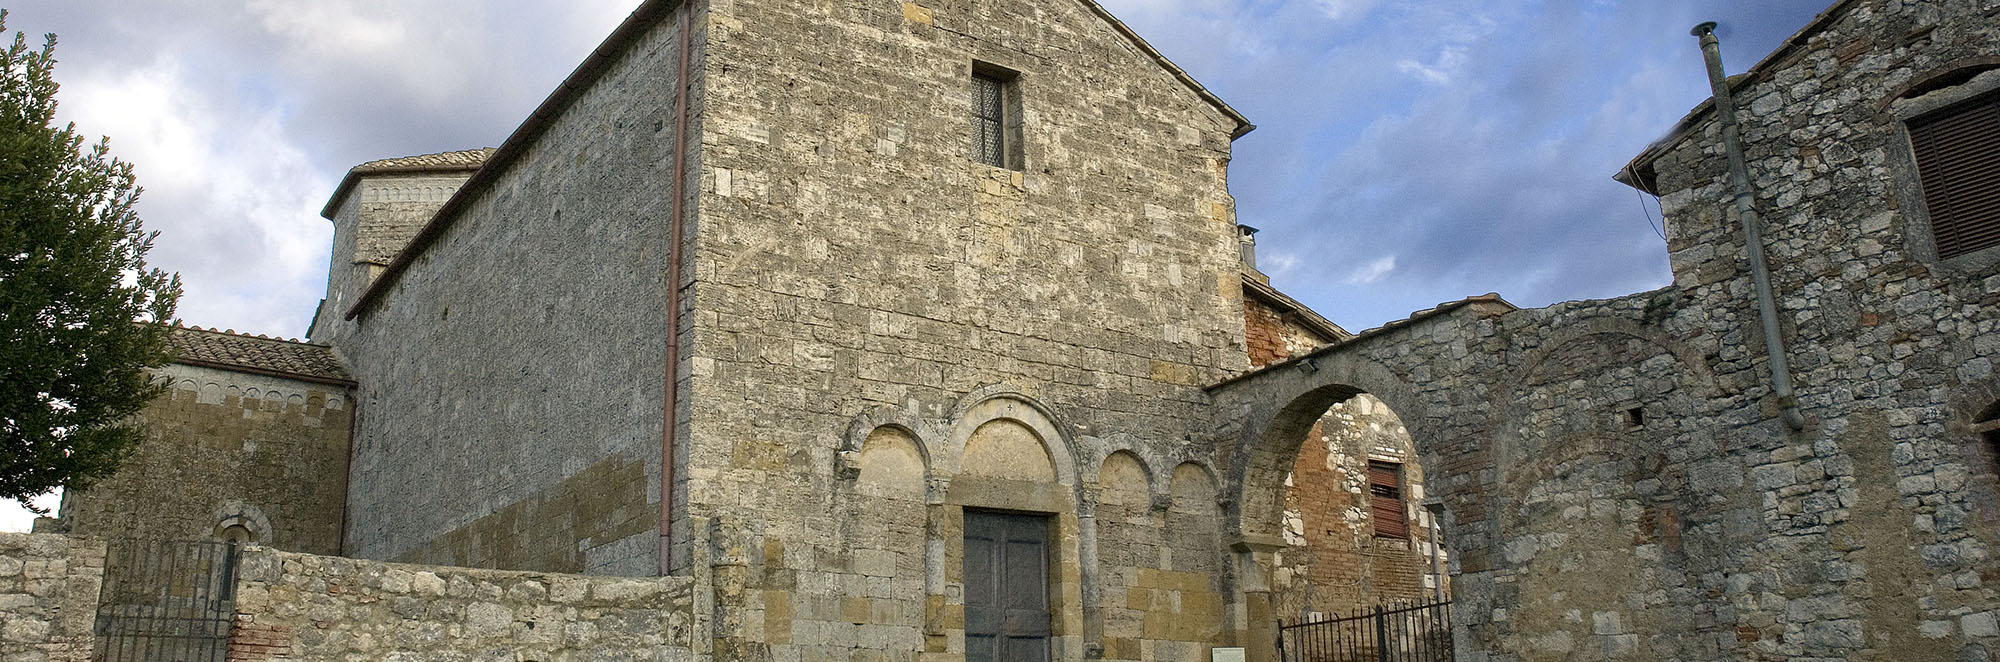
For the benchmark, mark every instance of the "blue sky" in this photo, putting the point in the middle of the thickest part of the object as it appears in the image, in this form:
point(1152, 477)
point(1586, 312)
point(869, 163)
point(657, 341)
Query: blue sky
point(1408, 152)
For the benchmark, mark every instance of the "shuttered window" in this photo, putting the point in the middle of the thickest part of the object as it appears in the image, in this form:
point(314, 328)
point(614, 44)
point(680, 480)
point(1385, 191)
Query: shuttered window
point(1958, 159)
point(1385, 496)
point(989, 120)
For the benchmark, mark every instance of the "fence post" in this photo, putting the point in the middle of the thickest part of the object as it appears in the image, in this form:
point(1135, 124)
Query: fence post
point(1381, 635)
point(1281, 641)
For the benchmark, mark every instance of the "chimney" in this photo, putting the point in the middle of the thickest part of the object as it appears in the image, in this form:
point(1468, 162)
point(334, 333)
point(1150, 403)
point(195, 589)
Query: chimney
point(1246, 244)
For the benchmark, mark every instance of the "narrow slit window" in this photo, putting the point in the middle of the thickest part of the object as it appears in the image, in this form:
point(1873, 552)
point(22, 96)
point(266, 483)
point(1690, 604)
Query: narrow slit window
point(1958, 160)
point(989, 120)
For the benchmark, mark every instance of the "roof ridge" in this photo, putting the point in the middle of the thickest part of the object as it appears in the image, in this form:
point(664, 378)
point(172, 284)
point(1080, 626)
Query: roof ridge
point(463, 160)
point(179, 325)
point(446, 159)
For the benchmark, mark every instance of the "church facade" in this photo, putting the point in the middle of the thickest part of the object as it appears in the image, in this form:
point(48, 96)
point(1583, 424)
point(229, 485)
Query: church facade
point(926, 331)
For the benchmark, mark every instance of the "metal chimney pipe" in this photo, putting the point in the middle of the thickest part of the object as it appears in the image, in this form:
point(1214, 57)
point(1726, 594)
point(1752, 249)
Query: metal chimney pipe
point(1753, 229)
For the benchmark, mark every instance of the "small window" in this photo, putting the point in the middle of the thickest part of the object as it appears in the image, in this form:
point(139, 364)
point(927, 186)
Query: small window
point(1385, 497)
point(996, 117)
point(1958, 160)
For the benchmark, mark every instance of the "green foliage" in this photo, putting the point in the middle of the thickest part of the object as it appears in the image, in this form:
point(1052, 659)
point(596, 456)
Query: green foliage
point(79, 309)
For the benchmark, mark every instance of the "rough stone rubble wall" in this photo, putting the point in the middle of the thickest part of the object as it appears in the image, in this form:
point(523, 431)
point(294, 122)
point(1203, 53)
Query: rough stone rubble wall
point(222, 447)
point(513, 380)
point(48, 596)
point(1617, 483)
point(856, 269)
point(301, 607)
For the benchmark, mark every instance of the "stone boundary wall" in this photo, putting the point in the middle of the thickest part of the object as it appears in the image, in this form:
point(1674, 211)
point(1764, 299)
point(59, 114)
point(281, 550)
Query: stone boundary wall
point(48, 596)
point(302, 607)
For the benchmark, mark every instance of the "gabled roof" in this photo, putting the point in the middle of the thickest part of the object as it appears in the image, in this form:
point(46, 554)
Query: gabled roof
point(586, 74)
point(466, 160)
point(1296, 310)
point(1639, 172)
point(277, 357)
point(1243, 125)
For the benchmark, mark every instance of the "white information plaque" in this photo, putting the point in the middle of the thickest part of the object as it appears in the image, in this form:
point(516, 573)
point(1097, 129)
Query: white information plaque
point(1225, 655)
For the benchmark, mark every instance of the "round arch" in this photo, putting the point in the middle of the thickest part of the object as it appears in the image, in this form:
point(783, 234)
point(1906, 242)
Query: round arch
point(1284, 404)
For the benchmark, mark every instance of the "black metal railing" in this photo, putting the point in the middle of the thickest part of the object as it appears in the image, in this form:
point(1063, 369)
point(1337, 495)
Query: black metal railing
point(1396, 632)
point(166, 600)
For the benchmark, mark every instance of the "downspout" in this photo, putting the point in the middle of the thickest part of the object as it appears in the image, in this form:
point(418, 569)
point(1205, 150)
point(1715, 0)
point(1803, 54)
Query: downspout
point(1753, 229)
point(675, 227)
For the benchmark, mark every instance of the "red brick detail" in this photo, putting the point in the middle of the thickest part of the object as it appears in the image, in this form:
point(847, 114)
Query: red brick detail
point(1263, 333)
point(250, 641)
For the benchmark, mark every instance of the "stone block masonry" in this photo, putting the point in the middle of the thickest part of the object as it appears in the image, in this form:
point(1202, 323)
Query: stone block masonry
point(525, 348)
point(310, 608)
point(48, 596)
point(226, 448)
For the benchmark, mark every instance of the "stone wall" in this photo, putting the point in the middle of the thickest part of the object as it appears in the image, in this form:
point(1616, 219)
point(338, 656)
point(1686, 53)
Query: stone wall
point(371, 225)
point(300, 607)
point(222, 448)
point(1617, 482)
point(48, 596)
point(524, 349)
point(856, 269)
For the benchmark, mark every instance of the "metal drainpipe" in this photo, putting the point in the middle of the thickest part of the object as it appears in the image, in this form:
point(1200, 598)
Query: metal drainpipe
point(675, 228)
point(1753, 229)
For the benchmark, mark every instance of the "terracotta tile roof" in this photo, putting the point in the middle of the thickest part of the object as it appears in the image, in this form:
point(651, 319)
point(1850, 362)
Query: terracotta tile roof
point(465, 159)
point(281, 357)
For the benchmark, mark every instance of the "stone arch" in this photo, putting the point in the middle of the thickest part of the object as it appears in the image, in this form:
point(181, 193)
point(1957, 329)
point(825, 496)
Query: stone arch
point(1524, 435)
point(1101, 450)
point(1954, 73)
point(1293, 399)
point(236, 516)
point(892, 463)
point(1690, 359)
point(993, 404)
point(865, 425)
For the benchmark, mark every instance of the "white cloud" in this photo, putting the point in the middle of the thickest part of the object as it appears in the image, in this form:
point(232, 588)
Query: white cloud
point(1371, 272)
point(233, 198)
point(1345, 10)
point(1439, 72)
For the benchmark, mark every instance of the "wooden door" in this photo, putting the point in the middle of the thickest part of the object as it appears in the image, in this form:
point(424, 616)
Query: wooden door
point(1006, 588)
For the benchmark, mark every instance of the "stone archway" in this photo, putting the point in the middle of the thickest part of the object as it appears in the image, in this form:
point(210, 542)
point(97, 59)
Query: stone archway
point(1278, 409)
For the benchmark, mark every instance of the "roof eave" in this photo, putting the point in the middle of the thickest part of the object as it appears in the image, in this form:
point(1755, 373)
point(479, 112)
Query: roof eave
point(585, 75)
point(355, 174)
point(1243, 125)
point(1643, 163)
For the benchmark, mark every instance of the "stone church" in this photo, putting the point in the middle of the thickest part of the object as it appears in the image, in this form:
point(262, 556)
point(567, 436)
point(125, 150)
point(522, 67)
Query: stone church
point(883, 330)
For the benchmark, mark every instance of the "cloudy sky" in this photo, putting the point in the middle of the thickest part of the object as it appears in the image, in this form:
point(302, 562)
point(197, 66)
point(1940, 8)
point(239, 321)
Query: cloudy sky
point(1408, 151)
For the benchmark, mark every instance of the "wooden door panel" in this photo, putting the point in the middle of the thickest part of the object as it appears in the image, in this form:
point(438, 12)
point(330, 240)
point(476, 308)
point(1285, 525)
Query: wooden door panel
point(1006, 588)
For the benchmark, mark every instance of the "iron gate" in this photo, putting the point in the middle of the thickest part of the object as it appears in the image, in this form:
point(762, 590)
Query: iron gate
point(1405, 632)
point(166, 601)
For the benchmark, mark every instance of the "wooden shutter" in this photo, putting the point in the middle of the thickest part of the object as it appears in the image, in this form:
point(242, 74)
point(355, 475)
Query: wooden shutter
point(1958, 158)
point(1385, 496)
